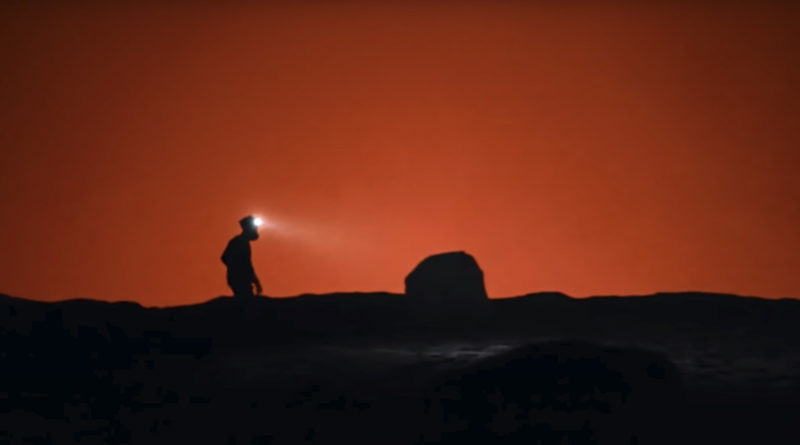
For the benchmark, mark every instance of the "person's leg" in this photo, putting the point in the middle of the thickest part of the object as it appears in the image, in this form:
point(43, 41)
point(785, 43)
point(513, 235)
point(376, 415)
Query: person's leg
point(241, 286)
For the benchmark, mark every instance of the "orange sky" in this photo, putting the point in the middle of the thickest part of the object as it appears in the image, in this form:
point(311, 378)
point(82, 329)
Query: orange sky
point(591, 149)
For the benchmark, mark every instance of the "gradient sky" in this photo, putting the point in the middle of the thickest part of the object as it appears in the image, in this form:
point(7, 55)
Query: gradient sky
point(614, 148)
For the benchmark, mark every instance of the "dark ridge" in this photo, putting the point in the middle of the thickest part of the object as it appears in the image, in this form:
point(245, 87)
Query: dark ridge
point(8, 299)
point(539, 296)
point(692, 297)
point(687, 295)
point(315, 317)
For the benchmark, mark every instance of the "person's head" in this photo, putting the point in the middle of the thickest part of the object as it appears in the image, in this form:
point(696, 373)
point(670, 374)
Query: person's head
point(249, 227)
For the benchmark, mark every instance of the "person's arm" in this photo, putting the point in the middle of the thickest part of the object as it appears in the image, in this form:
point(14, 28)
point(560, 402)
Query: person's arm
point(253, 271)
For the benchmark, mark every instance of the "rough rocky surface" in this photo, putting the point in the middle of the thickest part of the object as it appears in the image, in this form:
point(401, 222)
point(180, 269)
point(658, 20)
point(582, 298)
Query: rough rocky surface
point(559, 392)
point(383, 368)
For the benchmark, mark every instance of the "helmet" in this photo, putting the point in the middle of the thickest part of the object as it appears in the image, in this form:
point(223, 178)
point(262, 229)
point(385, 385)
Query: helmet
point(248, 222)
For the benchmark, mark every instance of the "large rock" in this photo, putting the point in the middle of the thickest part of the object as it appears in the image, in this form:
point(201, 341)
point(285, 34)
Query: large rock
point(559, 392)
point(447, 277)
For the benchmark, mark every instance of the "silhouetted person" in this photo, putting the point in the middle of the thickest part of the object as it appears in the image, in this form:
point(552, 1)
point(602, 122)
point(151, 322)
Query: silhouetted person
point(241, 276)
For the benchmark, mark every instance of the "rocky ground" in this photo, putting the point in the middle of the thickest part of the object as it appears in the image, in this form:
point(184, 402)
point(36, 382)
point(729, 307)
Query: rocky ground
point(378, 368)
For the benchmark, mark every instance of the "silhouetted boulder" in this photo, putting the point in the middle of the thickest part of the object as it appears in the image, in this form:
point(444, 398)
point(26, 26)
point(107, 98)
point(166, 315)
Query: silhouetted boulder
point(447, 277)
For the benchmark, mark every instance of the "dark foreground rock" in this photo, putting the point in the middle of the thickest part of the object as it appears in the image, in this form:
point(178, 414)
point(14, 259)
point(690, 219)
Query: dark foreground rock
point(560, 392)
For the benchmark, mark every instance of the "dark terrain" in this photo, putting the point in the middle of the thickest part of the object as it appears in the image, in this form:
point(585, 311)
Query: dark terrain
point(388, 368)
